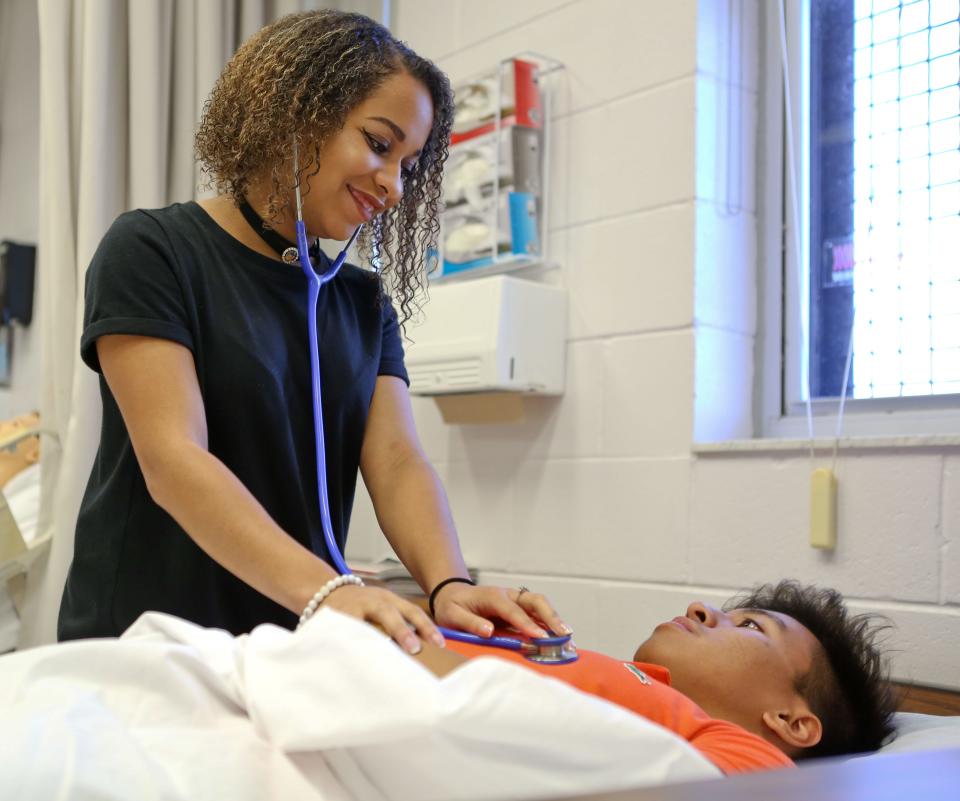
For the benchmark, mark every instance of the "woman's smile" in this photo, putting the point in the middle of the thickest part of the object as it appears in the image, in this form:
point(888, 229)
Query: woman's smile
point(367, 204)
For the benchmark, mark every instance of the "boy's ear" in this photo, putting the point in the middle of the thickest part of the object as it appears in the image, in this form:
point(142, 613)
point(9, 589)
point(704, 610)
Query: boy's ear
point(797, 727)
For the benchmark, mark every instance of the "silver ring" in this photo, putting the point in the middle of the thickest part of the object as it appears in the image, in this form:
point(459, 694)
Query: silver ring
point(522, 590)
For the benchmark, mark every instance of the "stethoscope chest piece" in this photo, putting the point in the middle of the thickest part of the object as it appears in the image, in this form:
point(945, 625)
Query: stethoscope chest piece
point(552, 650)
point(555, 650)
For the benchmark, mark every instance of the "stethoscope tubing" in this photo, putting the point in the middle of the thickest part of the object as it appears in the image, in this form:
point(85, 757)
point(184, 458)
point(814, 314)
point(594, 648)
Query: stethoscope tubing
point(509, 643)
point(314, 282)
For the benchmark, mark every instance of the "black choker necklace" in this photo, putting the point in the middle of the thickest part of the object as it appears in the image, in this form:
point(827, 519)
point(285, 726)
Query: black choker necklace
point(285, 249)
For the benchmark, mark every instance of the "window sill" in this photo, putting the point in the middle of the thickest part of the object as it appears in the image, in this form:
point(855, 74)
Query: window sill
point(825, 444)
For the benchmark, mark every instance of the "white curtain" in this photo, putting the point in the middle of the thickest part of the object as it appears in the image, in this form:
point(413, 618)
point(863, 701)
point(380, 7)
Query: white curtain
point(122, 85)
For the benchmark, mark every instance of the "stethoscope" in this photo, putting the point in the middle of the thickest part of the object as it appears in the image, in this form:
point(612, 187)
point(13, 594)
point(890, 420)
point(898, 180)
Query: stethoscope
point(556, 650)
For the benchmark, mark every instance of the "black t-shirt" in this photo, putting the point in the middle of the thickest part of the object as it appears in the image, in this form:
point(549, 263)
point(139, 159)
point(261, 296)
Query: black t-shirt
point(175, 274)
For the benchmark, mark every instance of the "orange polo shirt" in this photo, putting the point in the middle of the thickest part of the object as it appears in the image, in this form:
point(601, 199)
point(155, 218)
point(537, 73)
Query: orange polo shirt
point(645, 690)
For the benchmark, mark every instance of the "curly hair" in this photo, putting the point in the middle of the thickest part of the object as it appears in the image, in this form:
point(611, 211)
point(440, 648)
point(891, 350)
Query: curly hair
point(297, 80)
point(847, 685)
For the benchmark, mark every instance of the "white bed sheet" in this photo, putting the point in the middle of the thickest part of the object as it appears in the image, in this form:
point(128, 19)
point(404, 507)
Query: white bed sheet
point(335, 711)
point(22, 493)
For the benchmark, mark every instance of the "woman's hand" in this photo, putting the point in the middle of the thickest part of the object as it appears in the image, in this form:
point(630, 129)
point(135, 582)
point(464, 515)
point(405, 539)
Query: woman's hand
point(468, 608)
point(389, 612)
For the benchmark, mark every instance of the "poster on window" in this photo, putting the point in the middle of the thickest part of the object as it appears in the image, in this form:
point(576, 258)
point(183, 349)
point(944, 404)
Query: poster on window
point(837, 269)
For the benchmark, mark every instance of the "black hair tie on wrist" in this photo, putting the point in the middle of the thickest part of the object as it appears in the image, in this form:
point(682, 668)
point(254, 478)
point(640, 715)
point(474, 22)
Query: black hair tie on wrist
point(444, 583)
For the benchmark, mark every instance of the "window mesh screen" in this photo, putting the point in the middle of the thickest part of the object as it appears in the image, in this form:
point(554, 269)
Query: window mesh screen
point(886, 196)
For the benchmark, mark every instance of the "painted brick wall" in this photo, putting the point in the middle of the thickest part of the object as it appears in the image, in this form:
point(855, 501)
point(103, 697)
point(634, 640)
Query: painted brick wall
point(600, 499)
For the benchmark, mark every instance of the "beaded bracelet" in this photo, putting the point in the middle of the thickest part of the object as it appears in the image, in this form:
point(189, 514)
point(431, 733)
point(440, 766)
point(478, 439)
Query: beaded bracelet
point(321, 595)
point(444, 583)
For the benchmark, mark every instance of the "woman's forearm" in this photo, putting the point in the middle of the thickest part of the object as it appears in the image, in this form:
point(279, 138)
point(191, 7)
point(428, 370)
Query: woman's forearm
point(414, 514)
point(225, 520)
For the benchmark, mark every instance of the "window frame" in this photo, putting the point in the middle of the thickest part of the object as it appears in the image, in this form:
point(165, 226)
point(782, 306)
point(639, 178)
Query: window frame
point(783, 289)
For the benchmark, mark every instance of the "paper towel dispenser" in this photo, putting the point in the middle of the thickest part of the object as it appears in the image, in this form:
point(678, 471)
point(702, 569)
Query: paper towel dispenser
point(491, 334)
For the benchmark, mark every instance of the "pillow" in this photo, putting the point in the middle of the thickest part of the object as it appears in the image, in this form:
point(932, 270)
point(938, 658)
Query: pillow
point(918, 732)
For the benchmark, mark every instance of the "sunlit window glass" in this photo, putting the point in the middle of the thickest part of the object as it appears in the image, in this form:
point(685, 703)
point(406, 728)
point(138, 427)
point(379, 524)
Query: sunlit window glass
point(885, 197)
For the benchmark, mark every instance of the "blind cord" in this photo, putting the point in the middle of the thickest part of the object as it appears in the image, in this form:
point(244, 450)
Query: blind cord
point(795, 206)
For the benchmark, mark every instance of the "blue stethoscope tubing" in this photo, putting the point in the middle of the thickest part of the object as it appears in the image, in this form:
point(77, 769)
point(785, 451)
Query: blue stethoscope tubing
point(315, 281)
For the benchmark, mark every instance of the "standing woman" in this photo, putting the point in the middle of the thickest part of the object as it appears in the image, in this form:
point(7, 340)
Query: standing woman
point(202, 501)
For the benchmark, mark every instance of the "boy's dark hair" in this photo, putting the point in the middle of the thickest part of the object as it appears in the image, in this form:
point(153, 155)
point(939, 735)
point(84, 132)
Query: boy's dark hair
point(847, 685)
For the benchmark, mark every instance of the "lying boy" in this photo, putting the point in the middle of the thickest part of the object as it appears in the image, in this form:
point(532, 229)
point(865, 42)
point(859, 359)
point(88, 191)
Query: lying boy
point(780, 674)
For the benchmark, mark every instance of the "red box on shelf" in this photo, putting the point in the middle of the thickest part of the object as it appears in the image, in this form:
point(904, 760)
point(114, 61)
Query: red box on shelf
point(520, 102)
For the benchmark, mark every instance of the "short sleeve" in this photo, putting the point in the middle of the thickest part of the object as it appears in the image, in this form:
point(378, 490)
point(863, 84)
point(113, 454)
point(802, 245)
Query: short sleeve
point(391, 349)
point(132, 287)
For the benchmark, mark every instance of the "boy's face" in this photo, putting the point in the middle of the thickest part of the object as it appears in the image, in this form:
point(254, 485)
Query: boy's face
point(736, 665)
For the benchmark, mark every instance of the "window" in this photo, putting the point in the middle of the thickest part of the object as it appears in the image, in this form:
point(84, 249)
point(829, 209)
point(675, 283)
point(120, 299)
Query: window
point(877, 132)
point(885, 197)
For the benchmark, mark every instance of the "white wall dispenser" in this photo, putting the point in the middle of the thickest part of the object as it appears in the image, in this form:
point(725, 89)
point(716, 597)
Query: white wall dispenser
point(487, 343)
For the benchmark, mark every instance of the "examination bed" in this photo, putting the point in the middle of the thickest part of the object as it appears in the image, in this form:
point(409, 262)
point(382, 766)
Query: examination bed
point(336, 711)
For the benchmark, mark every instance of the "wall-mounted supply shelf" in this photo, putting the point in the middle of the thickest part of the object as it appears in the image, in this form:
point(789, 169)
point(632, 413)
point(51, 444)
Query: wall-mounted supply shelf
point(496, 188)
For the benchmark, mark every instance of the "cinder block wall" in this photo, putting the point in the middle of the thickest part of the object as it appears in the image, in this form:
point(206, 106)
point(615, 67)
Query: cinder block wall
point(601, 498)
